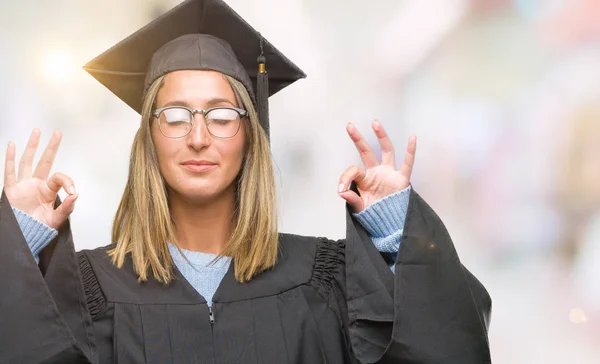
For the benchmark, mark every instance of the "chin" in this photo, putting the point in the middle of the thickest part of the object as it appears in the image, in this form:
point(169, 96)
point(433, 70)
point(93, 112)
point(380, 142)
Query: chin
point(201, 192)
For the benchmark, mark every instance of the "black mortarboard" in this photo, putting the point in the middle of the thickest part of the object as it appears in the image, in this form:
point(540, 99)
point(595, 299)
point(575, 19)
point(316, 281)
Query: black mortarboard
point(196, 34)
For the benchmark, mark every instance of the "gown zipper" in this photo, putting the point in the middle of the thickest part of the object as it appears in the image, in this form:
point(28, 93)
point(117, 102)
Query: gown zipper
point(211, 315)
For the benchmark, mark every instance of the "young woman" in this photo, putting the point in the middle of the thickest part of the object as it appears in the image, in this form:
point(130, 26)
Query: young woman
point(198, 272)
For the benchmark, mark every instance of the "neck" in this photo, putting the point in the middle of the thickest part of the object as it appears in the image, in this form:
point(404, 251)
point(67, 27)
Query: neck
point(203, 227)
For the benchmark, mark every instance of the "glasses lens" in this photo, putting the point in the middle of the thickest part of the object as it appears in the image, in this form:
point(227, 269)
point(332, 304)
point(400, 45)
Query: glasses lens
point(223, 122)
point(175, 122)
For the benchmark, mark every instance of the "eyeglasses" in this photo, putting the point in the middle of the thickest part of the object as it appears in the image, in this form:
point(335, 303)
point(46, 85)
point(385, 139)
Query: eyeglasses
point(177, 121)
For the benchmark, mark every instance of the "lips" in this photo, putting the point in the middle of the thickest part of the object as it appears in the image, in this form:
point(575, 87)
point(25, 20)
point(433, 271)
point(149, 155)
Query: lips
point(198, 166)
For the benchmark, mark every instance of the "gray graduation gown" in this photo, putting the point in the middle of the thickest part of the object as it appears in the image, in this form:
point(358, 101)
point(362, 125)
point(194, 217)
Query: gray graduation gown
point(324, 302)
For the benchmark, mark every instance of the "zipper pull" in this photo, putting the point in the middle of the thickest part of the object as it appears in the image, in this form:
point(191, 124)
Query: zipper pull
point(211, 315)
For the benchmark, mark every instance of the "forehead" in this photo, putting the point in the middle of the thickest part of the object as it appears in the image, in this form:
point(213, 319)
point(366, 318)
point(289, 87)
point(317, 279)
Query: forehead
point(195, 88)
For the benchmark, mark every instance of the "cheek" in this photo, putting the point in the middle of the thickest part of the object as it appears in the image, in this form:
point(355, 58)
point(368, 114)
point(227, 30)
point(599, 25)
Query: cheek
point(232, 151)
point(240, 148)
point(164, 151)
point(158, 145)
point(233, 154)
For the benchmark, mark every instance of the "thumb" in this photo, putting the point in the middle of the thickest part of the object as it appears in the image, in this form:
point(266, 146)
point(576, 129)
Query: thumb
point(354, 201)
point(65, 209)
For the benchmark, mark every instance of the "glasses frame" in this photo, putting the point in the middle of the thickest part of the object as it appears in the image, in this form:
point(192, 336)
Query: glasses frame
point(242, 113)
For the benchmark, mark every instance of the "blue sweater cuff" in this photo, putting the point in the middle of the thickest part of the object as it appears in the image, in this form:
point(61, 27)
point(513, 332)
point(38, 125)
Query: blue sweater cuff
point(37, 234)
point(385, 218)
point(390, 243)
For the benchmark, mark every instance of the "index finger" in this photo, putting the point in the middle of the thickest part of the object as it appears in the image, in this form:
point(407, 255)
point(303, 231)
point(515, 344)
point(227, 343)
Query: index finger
point(47, 160)
point(367, 155)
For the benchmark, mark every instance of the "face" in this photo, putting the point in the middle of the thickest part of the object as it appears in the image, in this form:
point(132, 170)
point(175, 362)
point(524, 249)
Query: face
point(198, 166)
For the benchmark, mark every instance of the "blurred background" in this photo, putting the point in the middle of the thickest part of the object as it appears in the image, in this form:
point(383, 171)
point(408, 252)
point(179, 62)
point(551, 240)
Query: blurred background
point(504, 96)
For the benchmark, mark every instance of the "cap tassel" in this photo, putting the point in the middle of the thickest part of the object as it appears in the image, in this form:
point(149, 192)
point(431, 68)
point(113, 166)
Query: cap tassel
point(262, 94)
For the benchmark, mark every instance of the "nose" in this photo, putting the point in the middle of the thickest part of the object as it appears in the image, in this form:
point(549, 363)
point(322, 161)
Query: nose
point(199, 137)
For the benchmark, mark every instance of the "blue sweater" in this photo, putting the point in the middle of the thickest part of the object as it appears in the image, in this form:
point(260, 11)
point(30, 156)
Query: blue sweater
point(383, 220)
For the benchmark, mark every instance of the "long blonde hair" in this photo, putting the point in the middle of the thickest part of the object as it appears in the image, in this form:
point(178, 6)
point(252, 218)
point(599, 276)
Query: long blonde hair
point(143, 223)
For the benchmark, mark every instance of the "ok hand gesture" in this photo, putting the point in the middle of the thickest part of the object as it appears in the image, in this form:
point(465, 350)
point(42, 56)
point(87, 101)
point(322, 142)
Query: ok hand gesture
point(376, 180)
point(35, 193)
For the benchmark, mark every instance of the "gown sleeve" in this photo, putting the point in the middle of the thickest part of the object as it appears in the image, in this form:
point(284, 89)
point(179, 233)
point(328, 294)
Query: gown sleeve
point(43, 310)
point(432, 310)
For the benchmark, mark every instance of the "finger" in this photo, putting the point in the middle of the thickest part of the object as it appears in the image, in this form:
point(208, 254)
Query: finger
point(45, 164)
point(65, 209)
point(354, 201)
point(353, 173)
point(27, 157)
point(409, 158)
point(10, 177)
point(61, 180)
point(388, 156)
point(367, 155)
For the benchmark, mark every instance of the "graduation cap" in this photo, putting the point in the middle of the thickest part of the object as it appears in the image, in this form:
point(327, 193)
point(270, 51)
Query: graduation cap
point(195, 35)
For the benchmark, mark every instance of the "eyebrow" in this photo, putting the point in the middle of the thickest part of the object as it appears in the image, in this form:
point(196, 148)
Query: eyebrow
point(211, 103)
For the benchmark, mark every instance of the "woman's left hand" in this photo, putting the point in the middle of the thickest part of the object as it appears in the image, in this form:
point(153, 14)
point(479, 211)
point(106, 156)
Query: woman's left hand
point(376, 180)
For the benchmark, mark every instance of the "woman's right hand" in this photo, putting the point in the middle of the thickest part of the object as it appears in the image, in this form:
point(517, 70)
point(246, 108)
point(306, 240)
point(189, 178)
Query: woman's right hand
point(35, 193)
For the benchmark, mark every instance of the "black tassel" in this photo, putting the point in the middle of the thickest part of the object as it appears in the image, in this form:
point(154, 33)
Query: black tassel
point(262, 92)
